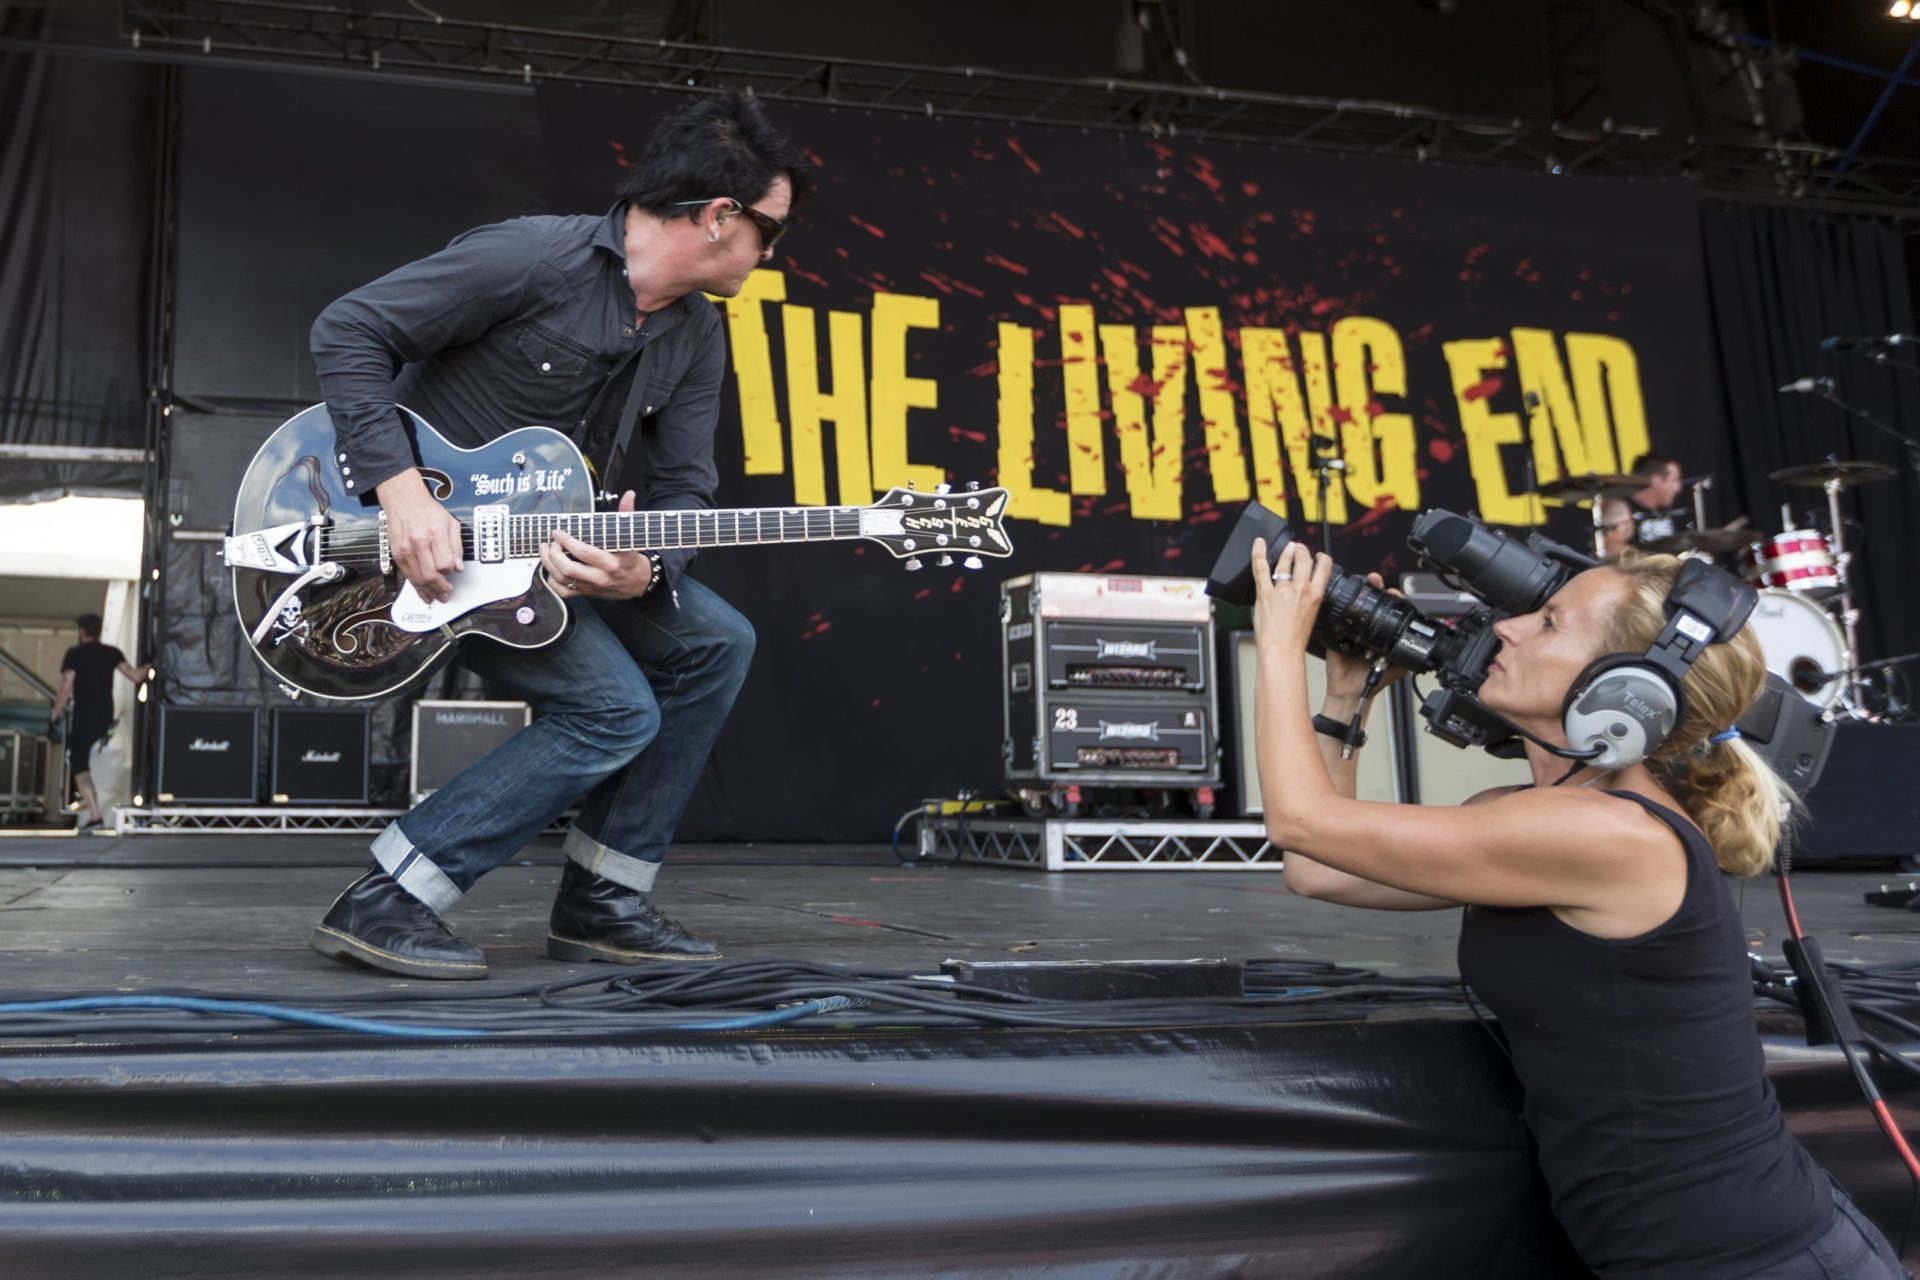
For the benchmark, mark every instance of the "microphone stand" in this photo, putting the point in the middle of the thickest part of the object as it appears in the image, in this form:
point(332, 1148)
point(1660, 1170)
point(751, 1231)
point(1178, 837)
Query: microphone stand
point(1326, 461)
point(1912, 445)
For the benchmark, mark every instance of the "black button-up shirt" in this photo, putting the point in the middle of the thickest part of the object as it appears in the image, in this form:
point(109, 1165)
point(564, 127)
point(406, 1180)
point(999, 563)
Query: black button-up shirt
point(525, 323)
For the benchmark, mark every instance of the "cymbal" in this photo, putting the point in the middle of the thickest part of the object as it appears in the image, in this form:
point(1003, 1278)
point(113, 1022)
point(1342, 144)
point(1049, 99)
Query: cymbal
point(1712, 541)
point(1815, 475)
point(1583, 488)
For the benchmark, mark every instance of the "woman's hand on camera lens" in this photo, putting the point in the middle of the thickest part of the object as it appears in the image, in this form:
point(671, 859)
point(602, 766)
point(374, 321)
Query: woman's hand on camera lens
point(1289, 593)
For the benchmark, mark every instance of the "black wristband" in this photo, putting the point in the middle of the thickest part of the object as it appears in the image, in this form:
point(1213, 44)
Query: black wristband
point(659, 572)
point(1337, 729)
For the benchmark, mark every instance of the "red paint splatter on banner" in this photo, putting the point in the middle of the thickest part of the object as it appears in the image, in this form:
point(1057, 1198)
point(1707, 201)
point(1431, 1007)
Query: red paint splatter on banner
point(1209, 244)
point(1144, 386)
point(985, 369)
point(819, 282)
point(1423, 334)
point(1249, 188)
point(958, 583)
point(812, 156)
point(1374, 407)
point(923, 593)
point(1202, 171)
point(961, 433)
point(1013, 145)
point(867, 227)
point(1340, 413)
point(1006, 264)
point(1484, 388)
point(1442, 450)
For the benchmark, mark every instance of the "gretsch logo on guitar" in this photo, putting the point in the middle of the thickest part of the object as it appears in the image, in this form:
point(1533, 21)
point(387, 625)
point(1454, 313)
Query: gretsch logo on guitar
point(328, 614)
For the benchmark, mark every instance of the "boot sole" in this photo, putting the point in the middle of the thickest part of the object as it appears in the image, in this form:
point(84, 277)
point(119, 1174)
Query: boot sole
point(567, 949)
point(349, 950)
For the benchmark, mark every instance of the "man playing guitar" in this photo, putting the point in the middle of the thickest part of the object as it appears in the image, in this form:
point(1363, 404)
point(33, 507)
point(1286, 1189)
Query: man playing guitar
point(582, 323)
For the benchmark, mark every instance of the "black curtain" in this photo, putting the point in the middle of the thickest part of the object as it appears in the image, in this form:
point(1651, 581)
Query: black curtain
point(1779, 281)
point(76, 210)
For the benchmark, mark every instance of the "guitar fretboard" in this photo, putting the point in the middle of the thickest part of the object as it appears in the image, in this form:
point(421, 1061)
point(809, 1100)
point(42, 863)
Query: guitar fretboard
point(668, 530)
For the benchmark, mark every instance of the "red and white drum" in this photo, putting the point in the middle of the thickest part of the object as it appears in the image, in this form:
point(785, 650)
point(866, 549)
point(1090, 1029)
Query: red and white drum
point(1795, 560)
point(1802, 643)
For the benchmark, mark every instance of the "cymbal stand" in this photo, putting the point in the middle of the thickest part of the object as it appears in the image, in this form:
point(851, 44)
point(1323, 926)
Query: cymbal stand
point(1849, 614)
point(1700, 488)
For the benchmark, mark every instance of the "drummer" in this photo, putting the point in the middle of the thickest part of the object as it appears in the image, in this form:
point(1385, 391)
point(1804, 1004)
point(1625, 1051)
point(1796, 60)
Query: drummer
point(1652, 509)
point(1616, 527)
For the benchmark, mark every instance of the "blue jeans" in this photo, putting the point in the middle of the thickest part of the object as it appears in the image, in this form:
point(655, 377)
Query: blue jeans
point(626, 709)
point(1851, 1249)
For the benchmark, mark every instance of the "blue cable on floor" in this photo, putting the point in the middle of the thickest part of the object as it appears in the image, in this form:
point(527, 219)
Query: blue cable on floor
point(366, 1026)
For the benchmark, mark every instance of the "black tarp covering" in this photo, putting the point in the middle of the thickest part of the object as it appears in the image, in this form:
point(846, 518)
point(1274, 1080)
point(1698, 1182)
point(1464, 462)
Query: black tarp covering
point(77, 146)
point(1385, 1149)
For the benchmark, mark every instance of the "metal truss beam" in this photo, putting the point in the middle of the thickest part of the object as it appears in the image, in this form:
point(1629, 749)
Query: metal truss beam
point(1078, 844)
point(323, 37)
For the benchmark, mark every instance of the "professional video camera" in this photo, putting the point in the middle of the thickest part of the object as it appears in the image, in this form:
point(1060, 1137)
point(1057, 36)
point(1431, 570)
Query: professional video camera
point(1510, 577)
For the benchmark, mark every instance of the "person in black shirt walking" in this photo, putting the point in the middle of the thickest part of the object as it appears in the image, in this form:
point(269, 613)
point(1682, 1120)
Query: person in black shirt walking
point(574, 323)
point(86, 684)
point(1596, 927)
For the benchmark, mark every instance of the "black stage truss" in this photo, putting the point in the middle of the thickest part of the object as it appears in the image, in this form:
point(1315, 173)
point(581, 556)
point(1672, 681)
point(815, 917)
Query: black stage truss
point(418, 43)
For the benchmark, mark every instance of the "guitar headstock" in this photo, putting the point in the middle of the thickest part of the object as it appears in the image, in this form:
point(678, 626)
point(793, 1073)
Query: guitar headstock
point(969, 523)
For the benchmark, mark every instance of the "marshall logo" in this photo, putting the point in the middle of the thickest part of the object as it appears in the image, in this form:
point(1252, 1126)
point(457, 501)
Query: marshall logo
point(203, 744)
point(470, 717)
point(1149, 731)
point(314, 756)
point(1127, 648)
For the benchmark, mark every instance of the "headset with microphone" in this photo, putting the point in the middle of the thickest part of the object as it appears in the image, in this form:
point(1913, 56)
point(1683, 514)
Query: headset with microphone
point(1625, 705)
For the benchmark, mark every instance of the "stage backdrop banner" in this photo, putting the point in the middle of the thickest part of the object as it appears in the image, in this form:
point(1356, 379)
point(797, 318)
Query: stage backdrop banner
point(1134, 337)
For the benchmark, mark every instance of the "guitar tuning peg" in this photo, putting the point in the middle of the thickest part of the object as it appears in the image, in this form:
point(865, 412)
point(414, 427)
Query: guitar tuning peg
point(972, 485)
point(943, 488)
point(945, 562)
point(971, 562)
point(914, 565)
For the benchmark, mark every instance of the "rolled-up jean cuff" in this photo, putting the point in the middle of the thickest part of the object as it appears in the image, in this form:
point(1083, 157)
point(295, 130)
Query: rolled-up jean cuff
point(621, 868)
point(413, 870)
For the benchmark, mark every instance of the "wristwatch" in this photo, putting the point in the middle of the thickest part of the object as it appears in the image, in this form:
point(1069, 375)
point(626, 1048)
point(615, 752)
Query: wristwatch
point(1337, 729)
point(655, 578)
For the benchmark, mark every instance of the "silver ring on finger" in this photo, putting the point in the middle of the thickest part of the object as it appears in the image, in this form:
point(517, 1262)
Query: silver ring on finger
point(1283, 577)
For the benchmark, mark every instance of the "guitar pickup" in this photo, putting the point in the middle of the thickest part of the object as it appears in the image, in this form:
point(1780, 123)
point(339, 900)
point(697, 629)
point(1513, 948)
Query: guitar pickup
point(490, 533)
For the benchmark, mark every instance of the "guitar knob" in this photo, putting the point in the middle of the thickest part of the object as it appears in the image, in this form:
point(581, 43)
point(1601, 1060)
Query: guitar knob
point(972, 562)
point(945, 562)
point(914, 565)
point(943, 488)
point(972, 485)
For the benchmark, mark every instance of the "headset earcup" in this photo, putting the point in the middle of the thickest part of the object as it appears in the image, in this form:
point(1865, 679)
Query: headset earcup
point(1624, 706)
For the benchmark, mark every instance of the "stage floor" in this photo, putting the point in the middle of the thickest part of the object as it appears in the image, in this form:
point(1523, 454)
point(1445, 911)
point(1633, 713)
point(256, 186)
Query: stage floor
point(232, 913)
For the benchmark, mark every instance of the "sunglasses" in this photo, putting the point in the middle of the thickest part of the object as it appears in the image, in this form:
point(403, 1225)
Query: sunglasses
point(771, 229)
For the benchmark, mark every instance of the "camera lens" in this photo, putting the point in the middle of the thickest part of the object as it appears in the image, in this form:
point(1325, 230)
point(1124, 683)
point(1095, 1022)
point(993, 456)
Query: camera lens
point(1358, 618)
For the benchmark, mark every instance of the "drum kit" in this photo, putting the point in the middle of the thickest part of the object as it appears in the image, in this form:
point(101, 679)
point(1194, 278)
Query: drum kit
point(1806, 619)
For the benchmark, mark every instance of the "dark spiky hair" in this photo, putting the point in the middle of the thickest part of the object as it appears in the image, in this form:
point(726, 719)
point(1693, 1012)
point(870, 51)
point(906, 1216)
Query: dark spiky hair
point(718, 146)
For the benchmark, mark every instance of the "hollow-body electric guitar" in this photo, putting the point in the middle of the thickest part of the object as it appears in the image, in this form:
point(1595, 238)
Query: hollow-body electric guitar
point(323, 606)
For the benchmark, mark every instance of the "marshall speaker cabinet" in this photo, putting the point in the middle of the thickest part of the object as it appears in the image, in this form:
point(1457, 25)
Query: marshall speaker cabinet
point(449, 736)
point(209, 755)
point(1109, 681)
point(319, 756)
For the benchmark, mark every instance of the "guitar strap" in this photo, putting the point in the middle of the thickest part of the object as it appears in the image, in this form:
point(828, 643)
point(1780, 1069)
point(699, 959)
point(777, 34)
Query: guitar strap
point(616, 458)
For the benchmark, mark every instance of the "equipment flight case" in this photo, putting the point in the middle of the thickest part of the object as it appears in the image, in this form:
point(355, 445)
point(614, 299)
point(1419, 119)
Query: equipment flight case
point(1108, 682)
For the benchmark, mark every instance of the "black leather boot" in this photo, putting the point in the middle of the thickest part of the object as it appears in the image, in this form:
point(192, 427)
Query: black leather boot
point(596, 919)
point(376, 924)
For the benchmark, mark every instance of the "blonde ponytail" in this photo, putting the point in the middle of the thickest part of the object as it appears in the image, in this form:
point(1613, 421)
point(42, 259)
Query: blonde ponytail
point(1732, 795)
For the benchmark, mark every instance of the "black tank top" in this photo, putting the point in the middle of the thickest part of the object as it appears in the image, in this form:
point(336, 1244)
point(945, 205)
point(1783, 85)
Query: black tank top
point(1662, 1143)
